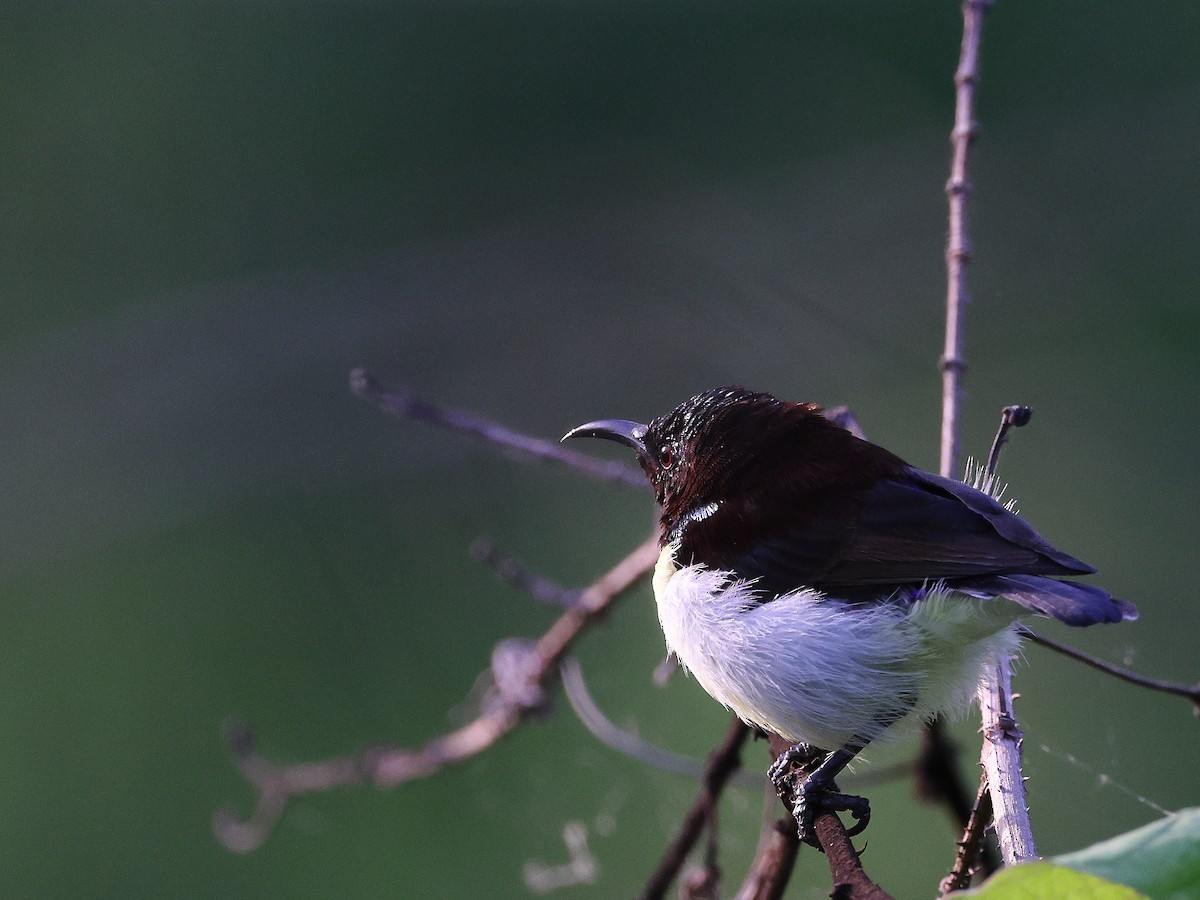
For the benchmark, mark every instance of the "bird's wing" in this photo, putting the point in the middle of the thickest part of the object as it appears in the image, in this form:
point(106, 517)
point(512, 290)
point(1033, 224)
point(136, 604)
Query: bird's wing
point(912, 527)
point(925, 526)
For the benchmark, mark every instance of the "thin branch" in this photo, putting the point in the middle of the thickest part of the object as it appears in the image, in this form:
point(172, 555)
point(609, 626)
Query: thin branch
point(512, 572)
point(505, 706)
point(721, 765)
point(400, 402)
point(628, 743)
point(545, 590)
point(581, 867)
point(970, 848)
point(1190, 692)
point(773, 863)
point(548, 591)
point(665, 670)
point(973, 852)
point(1010, 417)
point(958, 248)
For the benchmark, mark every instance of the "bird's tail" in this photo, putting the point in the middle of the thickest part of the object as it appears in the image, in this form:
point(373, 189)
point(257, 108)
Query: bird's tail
point(1070, 602)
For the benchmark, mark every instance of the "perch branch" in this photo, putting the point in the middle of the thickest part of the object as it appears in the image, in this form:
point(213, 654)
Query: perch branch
point(850, 880)
point(400, 402)
point(504, 707)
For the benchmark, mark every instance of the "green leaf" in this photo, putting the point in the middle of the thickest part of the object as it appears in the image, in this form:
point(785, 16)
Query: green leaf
point(1046, 881)
point(1162, 859)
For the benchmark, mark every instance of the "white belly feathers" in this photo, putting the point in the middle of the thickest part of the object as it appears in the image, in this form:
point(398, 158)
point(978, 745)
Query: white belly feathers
point(821, 671)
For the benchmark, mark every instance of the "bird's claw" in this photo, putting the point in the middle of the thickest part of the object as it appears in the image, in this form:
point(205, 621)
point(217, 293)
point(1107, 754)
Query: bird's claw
point(778, 773)
point(813, 798)
point(816, 792)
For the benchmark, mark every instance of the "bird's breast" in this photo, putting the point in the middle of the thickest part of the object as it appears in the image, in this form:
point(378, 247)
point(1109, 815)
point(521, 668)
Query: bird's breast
point(819, 669)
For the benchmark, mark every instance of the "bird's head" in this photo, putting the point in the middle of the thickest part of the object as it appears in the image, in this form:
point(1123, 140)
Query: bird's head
point(728, 447)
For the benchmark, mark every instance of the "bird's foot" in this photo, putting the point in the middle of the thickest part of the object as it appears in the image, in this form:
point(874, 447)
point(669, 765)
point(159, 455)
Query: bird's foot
point(779, 772)
point(815, 793)
point(814, 797)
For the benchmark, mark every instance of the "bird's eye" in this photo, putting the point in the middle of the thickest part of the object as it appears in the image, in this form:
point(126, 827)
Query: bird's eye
point(666, 457)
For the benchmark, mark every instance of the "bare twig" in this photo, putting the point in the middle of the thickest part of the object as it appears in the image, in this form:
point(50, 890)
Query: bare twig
point(628, 743)
point(969, 855)
point(574, 685)
point(665, 670)
point(721, 765)
point(773, 863)
point(1010, 417)
point(958, 248)
point(512, 572)
point(390, 766)
point(404, 403)
point(971, 846)
point(1188, 691)
point(937, 774)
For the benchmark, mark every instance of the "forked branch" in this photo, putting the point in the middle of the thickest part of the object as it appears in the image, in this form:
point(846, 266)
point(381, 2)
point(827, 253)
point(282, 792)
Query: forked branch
point(517, 689)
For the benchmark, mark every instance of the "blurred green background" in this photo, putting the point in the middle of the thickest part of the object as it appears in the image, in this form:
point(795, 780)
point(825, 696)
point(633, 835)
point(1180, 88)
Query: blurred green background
point(546, 212)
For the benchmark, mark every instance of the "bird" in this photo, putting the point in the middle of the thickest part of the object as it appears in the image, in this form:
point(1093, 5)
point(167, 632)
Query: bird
point(825, 590)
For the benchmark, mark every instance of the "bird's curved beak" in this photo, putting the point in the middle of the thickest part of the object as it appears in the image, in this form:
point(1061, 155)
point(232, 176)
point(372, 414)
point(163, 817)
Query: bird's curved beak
point(622, 431)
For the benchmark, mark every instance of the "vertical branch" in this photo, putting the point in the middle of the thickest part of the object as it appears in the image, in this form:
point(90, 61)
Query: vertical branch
point(958, 247)
point(1002, 765)
point(1001, 747)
